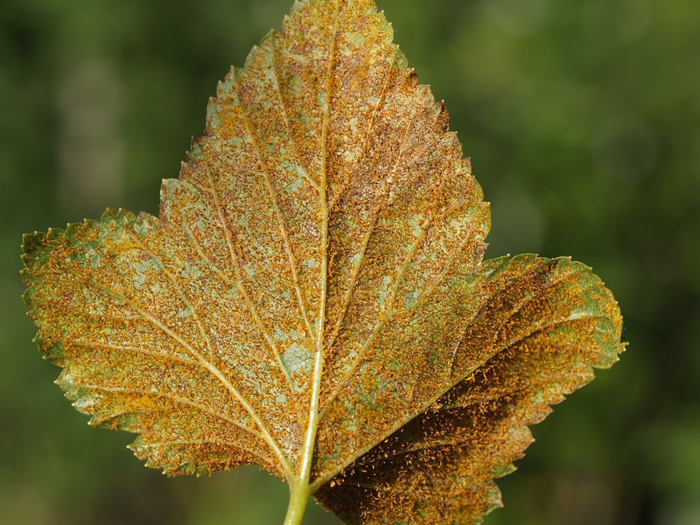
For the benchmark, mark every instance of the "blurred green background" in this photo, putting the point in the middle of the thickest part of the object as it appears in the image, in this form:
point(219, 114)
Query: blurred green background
point(583, 123)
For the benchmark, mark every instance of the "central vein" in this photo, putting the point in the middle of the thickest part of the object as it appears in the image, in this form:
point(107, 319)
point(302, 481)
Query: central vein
point(312, 427)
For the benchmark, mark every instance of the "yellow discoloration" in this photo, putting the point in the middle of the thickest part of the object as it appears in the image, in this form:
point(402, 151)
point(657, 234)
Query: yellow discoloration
point(312, 298)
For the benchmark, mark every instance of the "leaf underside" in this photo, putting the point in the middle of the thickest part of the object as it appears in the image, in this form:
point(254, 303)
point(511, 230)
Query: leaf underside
point(318, 265)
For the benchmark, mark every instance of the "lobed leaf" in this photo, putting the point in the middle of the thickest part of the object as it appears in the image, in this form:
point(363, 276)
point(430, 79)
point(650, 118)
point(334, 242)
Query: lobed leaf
point(312, 298)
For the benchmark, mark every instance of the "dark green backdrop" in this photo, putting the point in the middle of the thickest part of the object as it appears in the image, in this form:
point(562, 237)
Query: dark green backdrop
point(583, 123)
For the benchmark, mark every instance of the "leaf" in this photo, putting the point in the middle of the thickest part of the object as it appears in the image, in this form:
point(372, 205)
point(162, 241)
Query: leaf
point(312, 298)
point(535, 328)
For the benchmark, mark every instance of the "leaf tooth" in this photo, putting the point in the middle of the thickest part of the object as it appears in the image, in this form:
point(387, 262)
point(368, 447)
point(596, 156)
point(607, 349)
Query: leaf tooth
point(54, 234)
point(31, 242)
point(249, 59)
point(224, 88)
point(108, 215)
point(72, 228)
point(196, 152)
point(27, 295)
point(268, 36)
point(411, 78)
point(127, 215)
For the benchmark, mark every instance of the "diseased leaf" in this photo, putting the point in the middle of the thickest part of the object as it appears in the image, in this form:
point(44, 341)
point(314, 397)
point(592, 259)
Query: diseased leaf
point(312, 298)
point(535, 328)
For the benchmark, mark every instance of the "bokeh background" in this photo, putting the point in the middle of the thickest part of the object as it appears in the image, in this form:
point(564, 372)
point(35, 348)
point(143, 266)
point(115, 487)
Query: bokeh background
point(583, 123)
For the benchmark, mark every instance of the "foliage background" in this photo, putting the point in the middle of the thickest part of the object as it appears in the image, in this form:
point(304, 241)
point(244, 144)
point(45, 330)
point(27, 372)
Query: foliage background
point(583, 122)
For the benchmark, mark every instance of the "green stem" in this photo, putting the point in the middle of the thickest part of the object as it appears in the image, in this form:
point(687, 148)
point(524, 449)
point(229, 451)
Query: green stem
point(298, 498)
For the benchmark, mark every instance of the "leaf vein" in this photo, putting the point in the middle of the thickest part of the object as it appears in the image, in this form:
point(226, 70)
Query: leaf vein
point(282, 227)
point(176, 399)
point(216, 372)
point(292, 139)
point(242, 289)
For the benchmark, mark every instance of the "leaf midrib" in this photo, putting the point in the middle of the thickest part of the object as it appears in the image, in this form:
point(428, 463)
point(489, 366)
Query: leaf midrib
point(314, 402)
